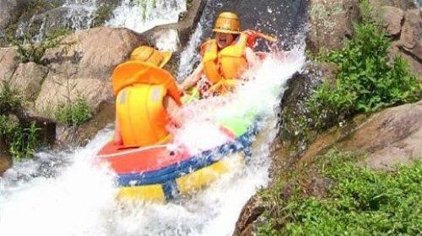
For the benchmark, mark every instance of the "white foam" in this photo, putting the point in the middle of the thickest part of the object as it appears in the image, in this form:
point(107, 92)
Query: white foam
point(79, 198)
point(143, 15)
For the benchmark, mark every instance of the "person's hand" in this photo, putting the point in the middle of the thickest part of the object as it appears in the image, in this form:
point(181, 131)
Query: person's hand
point(251, 37)
point(181, 89)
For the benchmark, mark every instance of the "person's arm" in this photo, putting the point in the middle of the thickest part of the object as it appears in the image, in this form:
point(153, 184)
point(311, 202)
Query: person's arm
point(118, 140)
point(173, 110)
point(192, 79)
point(251, 57)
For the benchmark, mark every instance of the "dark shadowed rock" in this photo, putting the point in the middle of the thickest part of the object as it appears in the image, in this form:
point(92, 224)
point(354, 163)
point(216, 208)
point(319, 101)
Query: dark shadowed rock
point(82, 134)
point(250, 212)
point(10, 10)
point(46, 128)
point(5, 158)
point(411, 36)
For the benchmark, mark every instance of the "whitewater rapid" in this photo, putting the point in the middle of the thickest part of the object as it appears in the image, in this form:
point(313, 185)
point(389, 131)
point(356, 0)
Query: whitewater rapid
point(65, 194)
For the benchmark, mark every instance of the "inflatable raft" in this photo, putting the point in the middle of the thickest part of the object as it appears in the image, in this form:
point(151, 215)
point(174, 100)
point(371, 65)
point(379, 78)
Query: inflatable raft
point(164, 172)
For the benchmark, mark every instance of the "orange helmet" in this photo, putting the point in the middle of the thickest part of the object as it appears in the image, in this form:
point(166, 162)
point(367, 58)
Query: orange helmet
point(150, 55)
point(227, 22)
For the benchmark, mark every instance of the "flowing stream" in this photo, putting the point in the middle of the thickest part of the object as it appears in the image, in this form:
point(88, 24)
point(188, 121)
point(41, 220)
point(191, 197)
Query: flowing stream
point(64, 193)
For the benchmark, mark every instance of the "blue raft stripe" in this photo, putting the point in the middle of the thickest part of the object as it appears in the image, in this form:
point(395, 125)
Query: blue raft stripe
point(170, 189)
point(197, 162)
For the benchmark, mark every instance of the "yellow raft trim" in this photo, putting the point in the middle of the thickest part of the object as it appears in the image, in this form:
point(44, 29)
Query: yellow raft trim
point(186, 184)
point(153, 193)
point(200, 178)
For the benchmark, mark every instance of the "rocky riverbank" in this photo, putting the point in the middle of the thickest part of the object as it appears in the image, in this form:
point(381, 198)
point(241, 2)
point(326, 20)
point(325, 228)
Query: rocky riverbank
point(380, 141)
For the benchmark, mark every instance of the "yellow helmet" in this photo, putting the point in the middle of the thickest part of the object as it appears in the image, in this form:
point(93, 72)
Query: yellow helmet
point(150, 55)
point(227, 22)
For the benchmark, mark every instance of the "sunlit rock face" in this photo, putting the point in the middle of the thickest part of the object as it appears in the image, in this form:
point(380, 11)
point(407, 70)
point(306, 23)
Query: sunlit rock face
point(83, 65)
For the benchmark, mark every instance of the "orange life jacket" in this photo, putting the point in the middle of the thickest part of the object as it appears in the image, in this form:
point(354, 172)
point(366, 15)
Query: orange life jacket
point(140, 90)
point(229, 63)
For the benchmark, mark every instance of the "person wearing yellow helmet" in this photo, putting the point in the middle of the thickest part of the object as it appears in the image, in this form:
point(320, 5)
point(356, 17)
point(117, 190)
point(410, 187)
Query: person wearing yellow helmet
point(147, 99)
point(224, 58)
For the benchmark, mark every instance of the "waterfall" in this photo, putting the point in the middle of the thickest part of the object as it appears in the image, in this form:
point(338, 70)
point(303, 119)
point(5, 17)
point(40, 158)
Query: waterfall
point(142, 15)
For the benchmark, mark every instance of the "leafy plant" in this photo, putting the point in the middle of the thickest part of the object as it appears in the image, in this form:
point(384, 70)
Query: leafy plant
point(22, 141)
point(75, 113)
point(29, 51)
point(360, 202)
point(9, 98)
point(366, 81)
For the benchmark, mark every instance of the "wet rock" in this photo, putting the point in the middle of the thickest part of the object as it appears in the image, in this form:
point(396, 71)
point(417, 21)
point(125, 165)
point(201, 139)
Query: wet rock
point(331, 23)
point(9, 12)
point(5, 158)
point(52, 20)
point(46, 128)
point(81, 66)
point(392, 18)
point(411, 36)
point(8, 62)
point(179, 32)
point(250, 213)
point(28, 79)
point(295, 123)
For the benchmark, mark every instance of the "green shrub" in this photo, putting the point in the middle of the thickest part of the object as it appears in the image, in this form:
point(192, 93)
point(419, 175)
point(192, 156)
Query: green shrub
point(9, 98)
point(29, 51)
point(101, 15)
point(366, 81)
point(22, 141)
point(75, 113)
point(360, 201)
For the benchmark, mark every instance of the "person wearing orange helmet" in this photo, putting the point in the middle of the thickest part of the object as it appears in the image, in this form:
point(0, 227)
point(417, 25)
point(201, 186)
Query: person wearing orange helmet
point(224, 58)
point(147, 99)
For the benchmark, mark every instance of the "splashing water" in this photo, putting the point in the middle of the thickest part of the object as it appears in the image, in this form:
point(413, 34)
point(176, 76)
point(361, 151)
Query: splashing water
point(189, 56)
point(81, 13)
point(74, 203)
point(143, 15)
point(79, 198)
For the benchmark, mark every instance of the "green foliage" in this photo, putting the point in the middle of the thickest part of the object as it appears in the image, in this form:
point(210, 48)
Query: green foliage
point(361, 202)
point(75, 113)
point(143, 5)
point(9, 98)
point(101, 15)
point(366, 81)
point(22, 141)
point(29, 51)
